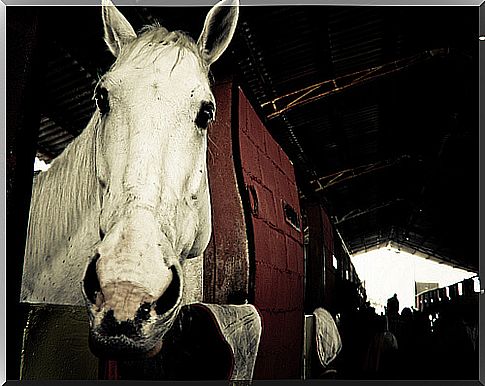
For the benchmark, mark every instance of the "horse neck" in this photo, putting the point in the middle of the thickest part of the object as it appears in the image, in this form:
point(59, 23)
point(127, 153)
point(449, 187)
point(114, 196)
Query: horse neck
point(64, 195)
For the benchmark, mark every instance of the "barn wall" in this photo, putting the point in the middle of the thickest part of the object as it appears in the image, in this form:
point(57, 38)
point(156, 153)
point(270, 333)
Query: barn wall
point(315, 258)
point(332, 274)
point(278, 263)
point(327, 286)
point(321, 275)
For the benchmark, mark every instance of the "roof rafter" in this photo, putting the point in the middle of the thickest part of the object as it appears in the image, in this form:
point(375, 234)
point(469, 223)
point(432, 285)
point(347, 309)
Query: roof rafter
point(317, 91)
point(327, 181)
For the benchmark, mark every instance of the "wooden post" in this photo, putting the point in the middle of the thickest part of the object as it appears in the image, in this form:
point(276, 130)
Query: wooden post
point(23, 119)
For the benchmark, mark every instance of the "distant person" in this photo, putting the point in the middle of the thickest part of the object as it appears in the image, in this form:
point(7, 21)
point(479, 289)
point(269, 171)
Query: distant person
point(381, 357)
point(409, 344)
point(454, 345)
point(393, 306)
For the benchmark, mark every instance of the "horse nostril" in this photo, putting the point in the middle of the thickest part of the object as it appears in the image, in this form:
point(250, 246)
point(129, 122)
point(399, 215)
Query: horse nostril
point(170, 296)
point(91, 283)
point(112, 327)
point(143, 312)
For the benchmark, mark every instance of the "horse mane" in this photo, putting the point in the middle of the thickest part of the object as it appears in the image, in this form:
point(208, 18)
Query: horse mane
point(63, 194)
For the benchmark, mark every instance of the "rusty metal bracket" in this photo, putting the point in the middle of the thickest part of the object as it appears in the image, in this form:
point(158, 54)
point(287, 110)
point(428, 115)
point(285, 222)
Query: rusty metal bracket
point(322, 183)
point(284, 103)
point(359, 212)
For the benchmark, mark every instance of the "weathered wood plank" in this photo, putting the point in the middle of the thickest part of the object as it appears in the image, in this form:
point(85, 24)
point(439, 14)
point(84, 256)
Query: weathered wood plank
point(226, 260)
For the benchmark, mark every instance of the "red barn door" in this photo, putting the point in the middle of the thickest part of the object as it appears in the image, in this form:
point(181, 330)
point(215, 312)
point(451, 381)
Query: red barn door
point(278, 262)
point(256, 247)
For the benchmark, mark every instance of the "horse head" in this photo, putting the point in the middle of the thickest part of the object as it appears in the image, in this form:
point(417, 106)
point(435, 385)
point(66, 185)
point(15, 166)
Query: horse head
point(154, 105)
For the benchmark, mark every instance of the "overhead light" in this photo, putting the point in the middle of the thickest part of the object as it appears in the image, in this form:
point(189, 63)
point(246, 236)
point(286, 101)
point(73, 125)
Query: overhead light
point(482, 37)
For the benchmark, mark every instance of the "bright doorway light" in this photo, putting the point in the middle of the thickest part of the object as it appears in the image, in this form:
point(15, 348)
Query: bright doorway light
point(386, 273)
point(476, 284)
point(40, 165)
point(460, 289)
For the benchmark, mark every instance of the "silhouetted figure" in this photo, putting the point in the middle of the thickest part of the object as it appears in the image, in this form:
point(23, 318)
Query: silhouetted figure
point(381, 358)
point(356, 330)
point(393, 306)
point(454, 345)
point(422, 344)
point(409, 344)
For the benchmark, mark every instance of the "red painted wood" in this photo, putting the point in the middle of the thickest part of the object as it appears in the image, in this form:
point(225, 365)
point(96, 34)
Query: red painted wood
point(277, 255)
point(278, 248)
point(322, 277)
point(108, 370)
point(112, 370)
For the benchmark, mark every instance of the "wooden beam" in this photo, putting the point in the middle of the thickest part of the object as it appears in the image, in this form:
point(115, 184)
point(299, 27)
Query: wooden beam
point(24, 60)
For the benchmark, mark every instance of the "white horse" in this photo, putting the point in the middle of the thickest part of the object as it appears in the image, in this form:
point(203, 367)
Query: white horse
point(127, 202)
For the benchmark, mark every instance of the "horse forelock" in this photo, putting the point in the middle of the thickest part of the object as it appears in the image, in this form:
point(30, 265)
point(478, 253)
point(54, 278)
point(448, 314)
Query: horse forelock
point(152, 42)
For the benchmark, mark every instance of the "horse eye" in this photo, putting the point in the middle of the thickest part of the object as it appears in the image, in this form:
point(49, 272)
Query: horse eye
point(205, 115)
point(102, 100)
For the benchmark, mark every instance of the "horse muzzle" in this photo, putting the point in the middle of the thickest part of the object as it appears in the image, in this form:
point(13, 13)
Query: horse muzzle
point(125, 322)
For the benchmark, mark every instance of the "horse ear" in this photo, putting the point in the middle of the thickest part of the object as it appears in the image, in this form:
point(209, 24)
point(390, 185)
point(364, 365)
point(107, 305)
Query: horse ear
point(219, 26)
point(117, 30)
